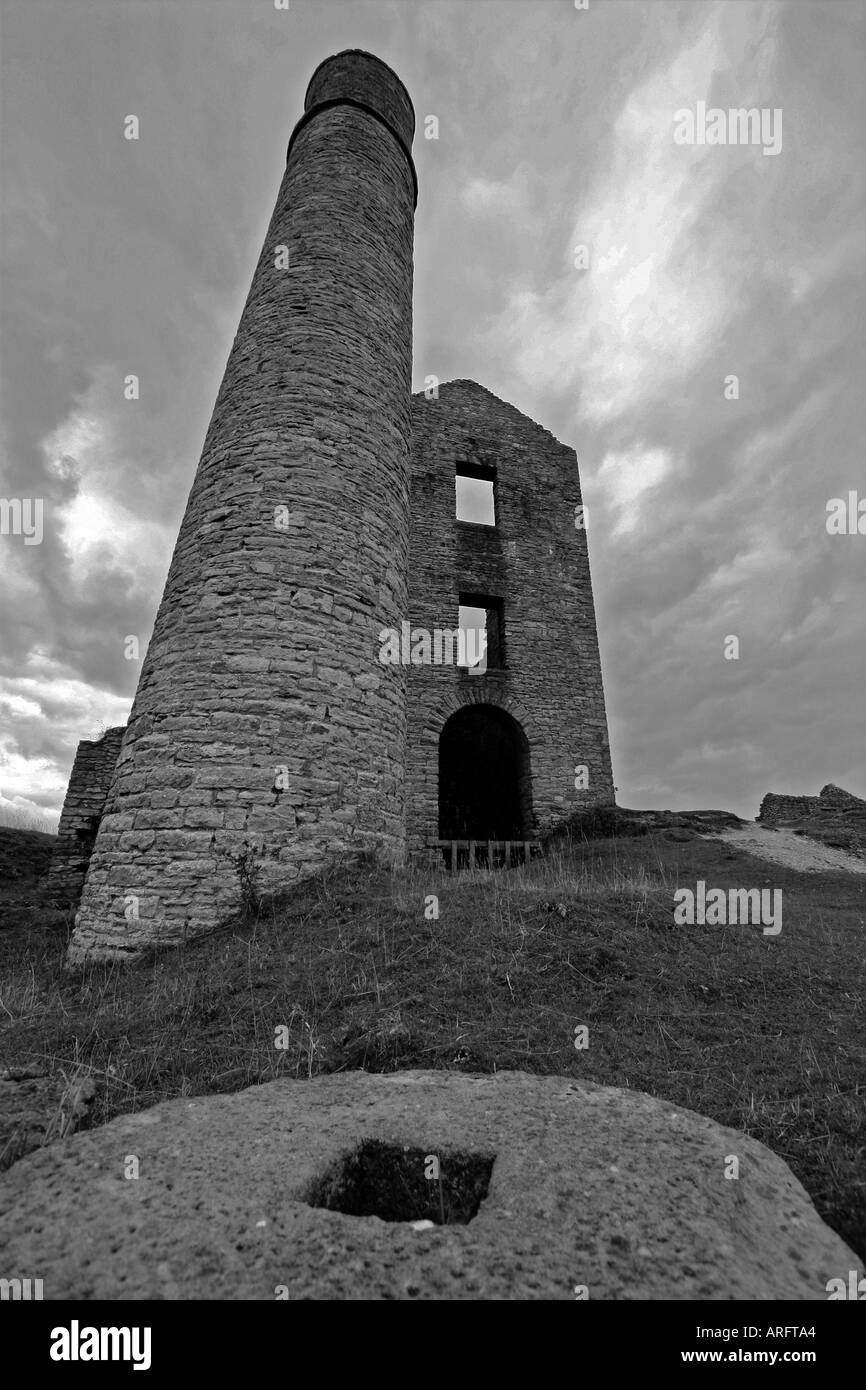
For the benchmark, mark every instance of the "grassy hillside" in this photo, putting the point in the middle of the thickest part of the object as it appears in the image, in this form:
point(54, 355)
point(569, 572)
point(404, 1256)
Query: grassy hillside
point(24, 855)
point(765, 1034)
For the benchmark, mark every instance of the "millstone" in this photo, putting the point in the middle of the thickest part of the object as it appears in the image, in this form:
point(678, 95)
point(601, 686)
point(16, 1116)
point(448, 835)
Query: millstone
point(496, 1186)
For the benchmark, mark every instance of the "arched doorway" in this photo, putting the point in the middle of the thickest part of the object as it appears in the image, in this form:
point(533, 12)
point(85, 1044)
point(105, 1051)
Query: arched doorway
point(485, 784)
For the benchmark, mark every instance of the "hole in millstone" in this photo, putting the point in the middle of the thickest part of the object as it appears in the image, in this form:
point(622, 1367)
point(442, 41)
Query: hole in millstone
point(398, 1183)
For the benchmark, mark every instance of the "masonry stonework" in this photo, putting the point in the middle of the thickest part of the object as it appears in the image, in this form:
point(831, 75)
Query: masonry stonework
point(534, 561)
point(835, 817)
point(775, 808)
point(268, 736)
point(291, 555)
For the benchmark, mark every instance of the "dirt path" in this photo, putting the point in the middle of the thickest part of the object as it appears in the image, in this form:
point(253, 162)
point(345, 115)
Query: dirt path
point(791, 850)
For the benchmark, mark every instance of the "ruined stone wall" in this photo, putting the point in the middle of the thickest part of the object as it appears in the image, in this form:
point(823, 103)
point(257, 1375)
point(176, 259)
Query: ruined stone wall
point(835, 817)
point(836, 798)
point(537, 562)
point(776, 808)
point(264, 653)
point(831, 798)
point(89, 781)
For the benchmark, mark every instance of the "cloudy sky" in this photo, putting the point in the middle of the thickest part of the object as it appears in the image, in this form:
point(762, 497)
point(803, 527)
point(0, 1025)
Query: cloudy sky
point(707, 513)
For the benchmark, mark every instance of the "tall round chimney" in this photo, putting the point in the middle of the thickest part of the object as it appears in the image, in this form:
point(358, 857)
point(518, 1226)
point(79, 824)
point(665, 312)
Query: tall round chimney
point(267, 741)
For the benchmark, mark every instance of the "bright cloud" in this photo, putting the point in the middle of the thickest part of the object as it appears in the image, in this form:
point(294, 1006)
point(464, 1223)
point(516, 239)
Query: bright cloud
point(624, 478)
point(657, 288)
point(97, 529)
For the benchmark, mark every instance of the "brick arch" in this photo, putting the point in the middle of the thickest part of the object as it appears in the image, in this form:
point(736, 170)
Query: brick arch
point(425, 819)
point(452, 703)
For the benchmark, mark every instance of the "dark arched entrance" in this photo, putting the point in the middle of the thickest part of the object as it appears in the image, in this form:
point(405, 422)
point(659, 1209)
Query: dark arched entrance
point(485, 787)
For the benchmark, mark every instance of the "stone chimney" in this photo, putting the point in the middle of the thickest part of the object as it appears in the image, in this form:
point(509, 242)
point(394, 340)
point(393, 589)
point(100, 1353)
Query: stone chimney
point(266, 741)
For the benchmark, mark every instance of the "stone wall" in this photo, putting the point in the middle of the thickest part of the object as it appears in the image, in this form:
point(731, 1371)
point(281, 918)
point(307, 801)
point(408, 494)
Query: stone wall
point(89, 781)
point(835, 817)
point(832, 798)
point(776, 808)
point(536, 561)
point(292, 555)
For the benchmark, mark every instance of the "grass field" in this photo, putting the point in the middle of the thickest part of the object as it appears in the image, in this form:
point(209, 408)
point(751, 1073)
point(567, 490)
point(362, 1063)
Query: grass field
point(762, 1033)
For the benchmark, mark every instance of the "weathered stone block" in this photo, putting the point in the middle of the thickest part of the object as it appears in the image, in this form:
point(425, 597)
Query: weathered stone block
point(610, 1190)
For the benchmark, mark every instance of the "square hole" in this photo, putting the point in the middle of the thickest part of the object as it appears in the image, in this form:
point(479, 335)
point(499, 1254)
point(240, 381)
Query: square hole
point(398, 1183)
point(482, 618)
point(472, 623)
point(475, 495)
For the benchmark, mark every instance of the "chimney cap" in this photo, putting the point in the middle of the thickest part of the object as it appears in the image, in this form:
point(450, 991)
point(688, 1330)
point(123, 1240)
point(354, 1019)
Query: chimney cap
point(362, 77)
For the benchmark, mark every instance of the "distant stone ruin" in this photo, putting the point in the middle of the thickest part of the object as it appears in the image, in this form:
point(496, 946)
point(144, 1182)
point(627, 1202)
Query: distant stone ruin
point(835, 817)
point(837, 798)
point(781, 808)
point(294, 710)
point(775, 809)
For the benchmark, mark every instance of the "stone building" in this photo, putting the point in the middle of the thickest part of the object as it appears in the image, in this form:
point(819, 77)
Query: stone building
point(497, 755)
point(776, 809)
point(274, 733)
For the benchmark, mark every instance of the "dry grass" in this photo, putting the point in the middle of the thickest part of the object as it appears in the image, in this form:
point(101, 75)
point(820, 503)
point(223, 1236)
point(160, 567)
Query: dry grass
point(764, 1034)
